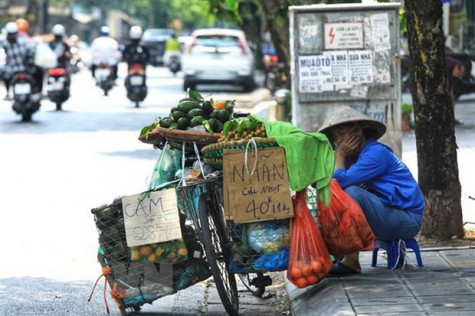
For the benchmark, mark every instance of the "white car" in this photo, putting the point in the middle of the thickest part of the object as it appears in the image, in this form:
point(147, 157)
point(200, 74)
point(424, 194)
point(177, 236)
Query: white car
point(218, 56)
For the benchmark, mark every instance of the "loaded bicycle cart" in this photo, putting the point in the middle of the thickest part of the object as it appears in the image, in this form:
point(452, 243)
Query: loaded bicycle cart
point(218, 204)
point(152, 243)
point(256, 201)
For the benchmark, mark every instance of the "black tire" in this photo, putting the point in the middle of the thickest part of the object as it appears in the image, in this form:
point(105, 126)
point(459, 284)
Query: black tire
point(187, 84)
point(216, 244)
point(270, 81)
point(249, 85)
point(59, 106)
point(257, 291)
point(26, 116)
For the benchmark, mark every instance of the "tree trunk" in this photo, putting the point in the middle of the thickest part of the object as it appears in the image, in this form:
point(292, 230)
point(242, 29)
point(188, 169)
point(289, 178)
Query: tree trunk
point(434, 117)
point(278, 27)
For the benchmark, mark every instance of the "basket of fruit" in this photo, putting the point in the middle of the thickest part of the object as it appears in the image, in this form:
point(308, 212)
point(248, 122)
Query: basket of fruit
point(193, 120)
point(237, 134)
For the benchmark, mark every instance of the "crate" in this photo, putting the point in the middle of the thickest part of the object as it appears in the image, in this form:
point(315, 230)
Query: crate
point(260, 246)
point(136, 282)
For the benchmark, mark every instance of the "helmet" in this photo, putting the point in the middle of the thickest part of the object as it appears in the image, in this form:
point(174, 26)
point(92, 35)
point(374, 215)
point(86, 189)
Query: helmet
point(22, 25)
point(11, 28)
point(104, 31)
point(135, 32)
point(58, 29)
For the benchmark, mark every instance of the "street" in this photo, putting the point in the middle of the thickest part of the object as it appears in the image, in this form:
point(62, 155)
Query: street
point(57, 168)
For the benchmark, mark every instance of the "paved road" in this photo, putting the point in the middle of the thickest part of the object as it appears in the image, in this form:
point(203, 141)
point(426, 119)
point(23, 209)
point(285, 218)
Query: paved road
point(55, 169)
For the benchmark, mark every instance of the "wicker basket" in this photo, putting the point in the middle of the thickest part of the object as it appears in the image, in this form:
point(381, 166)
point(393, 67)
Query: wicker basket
point(176, 138)
point(213, 154)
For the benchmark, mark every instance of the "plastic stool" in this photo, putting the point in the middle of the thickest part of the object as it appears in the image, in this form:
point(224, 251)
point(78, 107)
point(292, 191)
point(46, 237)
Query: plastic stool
point(393, 251)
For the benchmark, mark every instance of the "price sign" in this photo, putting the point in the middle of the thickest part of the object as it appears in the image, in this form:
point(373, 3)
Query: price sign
point(151, 220)
point(260, 195)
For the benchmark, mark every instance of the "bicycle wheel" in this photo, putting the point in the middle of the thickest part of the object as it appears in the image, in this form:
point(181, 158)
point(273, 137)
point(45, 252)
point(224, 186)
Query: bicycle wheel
point(216, 245)
point(246, 279)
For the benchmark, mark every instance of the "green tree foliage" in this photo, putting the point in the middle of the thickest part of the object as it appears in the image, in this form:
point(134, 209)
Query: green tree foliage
point(157, 13)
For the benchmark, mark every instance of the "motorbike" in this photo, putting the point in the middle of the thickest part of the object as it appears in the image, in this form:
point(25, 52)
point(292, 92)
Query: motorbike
point(174, 64)
point(277, 78)
point(135, 83)
point(465, 85)
point(58, 86)
point(26, 97)
point(104, 77)
point(75, 62)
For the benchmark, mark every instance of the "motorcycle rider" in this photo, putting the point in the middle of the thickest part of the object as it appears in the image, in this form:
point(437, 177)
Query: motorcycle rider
point(172, 48)
point(134, 52)
point(60, 47)
point(19, 54)
point(105, 49)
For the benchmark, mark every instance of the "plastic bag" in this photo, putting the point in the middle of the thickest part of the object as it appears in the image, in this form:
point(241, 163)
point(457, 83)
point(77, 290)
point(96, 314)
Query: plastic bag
point(343, 223)
point(45, 57)
point(168, 163)
point(309, 259)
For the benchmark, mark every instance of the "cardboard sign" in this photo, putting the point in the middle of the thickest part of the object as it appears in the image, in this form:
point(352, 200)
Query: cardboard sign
point(256, 194)
point(151, 220)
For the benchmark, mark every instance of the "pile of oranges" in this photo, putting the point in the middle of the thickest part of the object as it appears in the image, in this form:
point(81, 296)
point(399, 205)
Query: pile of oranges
point(304, 273)
point(168, 252)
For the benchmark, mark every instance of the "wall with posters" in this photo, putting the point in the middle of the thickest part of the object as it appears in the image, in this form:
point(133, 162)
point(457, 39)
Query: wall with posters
point(346, 54)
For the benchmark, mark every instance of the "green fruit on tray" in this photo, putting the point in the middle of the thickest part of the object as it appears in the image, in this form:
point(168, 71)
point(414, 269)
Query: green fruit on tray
point(214, 114)
point(183, 123)
point(207, 106)
point(195, 112)
point(215, 125)
point(186, 106)
point(197, 120)
point(178, 114)
point(166, 122)
point(223, 116)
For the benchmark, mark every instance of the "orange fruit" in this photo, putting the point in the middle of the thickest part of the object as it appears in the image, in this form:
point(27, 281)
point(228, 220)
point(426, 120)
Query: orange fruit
point(182, 252)
point(152, 258)
point(218, 105)
point(307, 270)
point(135, 255)
point(159, 251)
point(312, 279)
point(295, 273)
point(145, 250)
point(317, 267)
point(300, 264)
point(301, 282)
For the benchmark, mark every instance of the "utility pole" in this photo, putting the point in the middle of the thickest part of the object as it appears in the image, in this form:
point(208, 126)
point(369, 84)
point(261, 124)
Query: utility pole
point(42, 15)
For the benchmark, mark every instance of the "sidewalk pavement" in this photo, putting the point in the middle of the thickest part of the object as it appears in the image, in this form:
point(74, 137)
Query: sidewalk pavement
point(446, 283)
point(444, 286)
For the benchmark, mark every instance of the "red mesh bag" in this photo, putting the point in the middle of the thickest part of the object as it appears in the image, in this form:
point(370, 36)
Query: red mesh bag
point(343, 224)
point(309, 259)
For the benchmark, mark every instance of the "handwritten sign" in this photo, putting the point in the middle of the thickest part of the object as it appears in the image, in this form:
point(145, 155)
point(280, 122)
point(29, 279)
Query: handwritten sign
point(264, 195)
point(151, 220)
point(343, 35)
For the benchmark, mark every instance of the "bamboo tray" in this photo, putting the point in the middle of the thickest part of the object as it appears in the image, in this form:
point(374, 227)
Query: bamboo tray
point(176, 138)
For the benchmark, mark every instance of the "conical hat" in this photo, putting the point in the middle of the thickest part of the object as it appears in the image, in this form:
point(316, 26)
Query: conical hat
point(345, 114)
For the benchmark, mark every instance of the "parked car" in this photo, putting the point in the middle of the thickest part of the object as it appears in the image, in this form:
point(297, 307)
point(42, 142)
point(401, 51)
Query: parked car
point(154, 40)
point(218, 56)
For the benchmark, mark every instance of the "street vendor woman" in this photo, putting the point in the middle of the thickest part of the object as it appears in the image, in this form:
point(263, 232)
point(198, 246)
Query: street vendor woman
point(375, 178)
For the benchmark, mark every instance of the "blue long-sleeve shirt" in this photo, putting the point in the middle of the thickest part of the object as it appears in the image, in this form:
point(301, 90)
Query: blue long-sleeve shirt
point(385, 175)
